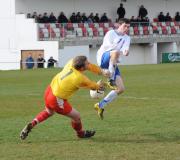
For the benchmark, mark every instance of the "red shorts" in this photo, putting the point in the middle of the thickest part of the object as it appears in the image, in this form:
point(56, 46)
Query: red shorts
point(56, 104)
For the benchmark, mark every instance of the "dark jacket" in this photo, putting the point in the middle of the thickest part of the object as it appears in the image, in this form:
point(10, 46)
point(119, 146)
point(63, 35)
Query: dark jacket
point(121, 12)
point(62, 19)
point(40, 62)
point(52, 19)
point(142, 12)
point(51, 62)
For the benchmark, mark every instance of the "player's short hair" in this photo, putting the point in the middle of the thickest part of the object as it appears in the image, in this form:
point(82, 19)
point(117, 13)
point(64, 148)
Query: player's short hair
point(79, 62)
point(124, 20)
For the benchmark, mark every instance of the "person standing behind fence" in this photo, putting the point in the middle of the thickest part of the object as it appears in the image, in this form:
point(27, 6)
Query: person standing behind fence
point(51, 62)
point(142, 12)
point(29, 62)
point(121, 11)
point(40, 61)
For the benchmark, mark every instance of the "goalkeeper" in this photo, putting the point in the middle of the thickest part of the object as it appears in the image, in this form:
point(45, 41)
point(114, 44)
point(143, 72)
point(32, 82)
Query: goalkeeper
point(61, 88)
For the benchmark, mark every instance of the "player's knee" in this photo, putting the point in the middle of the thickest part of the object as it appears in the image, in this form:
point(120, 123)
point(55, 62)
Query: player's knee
point(120, 90)
point(114, 55)
point(77, 117)
point(50, 112)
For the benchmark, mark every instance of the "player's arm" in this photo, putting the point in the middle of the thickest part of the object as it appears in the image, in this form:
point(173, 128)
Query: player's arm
point(97, 70)
point(94, 68)
point(87, 83)
point(125, 49)
point(108, 39)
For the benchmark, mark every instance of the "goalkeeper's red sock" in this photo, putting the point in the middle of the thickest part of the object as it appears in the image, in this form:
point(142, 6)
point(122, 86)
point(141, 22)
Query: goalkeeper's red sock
point(42, 116)
point(77, 126)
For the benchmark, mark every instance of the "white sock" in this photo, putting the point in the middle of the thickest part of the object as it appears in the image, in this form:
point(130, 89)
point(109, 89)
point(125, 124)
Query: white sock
point(111, 69)
point(109, 98)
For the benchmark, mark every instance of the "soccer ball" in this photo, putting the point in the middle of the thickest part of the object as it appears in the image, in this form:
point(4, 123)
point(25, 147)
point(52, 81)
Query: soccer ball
point(95, 94)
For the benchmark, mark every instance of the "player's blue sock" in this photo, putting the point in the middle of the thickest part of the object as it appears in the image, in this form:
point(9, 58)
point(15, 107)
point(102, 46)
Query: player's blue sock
point(109, 98)
point(102, 103)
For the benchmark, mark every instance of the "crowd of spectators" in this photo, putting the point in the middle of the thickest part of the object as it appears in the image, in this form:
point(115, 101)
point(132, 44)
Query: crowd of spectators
point(30, 62)
point(138, 20)
point(167, 17)
point(74, 18)
point(142, 17)
point(79, 17)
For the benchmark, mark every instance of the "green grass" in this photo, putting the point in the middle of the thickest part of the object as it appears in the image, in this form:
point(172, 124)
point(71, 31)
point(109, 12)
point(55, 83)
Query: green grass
point(142, 124)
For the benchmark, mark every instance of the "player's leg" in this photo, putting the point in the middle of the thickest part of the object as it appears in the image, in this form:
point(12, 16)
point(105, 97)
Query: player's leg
point(109, 61)
point(77, 124)
point(111, 95)
point(114, 57)
point(42, 116)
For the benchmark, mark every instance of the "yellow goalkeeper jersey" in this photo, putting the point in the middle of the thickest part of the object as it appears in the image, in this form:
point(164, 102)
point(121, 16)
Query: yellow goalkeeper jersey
point(69, 80)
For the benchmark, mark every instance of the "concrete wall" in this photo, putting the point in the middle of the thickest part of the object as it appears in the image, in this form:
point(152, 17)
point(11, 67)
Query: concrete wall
point(69, 52)
point(7, 32)
point(178, 47)
point(27, 38)
point(151, 55)
point(166, 48)
point(18, 33)
point(97, 6)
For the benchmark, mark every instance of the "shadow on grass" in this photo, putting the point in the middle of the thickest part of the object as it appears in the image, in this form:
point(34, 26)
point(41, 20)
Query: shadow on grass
point(146, 138)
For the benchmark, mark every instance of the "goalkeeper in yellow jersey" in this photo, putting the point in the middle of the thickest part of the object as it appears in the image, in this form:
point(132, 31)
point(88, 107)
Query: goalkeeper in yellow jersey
point(63, 86)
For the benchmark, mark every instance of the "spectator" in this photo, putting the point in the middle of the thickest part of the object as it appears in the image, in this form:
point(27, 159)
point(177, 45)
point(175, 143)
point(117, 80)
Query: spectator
point(161, 17)
point(104, 18)
point(142, 12)
point(78, 17)
point(121, 11)
point(34, 15)
point(40, 61)
point(45, 18)
point(168, 18)
point(62, 18)
point(84, 18)
point(51, 62)
point(138, 21)
point(73, 18)
point(29, 15)
point(133, 21)
point(96, 18)
point(177, 17)
point(91, 18)
point(40, 18)
point(52, 18)
point(29, 62)
point(145, 21)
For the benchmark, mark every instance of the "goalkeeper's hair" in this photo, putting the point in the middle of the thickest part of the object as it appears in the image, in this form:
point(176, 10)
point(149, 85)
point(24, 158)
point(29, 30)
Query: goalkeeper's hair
point(79, 62)
point(123, 20)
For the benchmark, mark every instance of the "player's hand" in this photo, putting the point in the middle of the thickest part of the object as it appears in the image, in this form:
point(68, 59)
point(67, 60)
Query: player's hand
point(106, 73)
point(101, 85)
point(126, 53)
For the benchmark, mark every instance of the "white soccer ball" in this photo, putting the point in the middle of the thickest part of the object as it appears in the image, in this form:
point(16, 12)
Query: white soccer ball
point(95, 94)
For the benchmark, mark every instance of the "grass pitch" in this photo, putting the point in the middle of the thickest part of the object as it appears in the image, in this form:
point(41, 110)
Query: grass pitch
point(142, 124)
